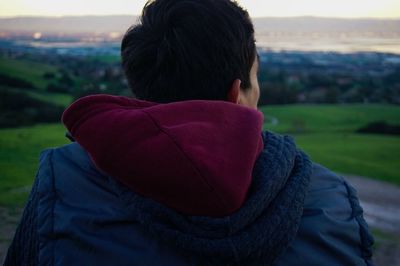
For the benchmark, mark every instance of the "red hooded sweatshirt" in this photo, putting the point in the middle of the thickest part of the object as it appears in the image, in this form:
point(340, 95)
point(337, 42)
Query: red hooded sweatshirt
point(193, 156)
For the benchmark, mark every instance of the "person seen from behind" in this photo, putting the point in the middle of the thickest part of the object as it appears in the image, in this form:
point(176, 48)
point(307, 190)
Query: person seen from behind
point(184, 174)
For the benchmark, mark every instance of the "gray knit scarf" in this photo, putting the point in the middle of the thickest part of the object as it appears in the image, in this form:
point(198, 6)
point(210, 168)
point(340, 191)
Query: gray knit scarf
point(258, 232)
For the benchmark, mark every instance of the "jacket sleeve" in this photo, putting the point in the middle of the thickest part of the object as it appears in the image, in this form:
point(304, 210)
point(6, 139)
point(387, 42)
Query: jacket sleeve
point(332, 230)
point(24, 248)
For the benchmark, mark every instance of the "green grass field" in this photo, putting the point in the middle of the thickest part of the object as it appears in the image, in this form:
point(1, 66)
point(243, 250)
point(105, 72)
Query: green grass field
point(19, 155)
point(325, 132)
point(365, 155)
point(327, 118)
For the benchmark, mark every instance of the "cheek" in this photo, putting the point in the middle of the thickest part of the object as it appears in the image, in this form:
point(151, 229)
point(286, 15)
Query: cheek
point(257, 91)
point(256, 95)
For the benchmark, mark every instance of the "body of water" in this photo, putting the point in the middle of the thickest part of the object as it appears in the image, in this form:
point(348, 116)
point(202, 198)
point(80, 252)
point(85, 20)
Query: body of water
point(328, 44)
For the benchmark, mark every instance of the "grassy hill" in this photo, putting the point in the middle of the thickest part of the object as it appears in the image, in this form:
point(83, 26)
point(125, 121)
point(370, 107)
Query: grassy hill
point(61, 99)
point(26, 70)
point(25, 95)
point(33, 72)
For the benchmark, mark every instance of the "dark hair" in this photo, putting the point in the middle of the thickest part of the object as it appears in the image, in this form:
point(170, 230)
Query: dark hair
point(188, 49)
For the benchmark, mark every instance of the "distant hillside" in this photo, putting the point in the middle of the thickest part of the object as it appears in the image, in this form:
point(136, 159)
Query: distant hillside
point(68, 24)
point(103, 24)
point(329, 25)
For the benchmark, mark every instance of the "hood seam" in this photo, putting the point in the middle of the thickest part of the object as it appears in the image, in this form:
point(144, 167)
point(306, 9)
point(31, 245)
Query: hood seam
point(222, 202)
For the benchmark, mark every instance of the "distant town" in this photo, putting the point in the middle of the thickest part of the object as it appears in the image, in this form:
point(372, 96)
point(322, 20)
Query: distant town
point(286, 76)
point(329, 77)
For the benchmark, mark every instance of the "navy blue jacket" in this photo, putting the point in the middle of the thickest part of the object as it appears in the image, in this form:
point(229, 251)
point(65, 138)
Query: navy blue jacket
point(75, 216)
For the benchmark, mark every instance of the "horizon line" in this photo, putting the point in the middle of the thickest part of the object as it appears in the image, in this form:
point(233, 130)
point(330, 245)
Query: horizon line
point(253, 17)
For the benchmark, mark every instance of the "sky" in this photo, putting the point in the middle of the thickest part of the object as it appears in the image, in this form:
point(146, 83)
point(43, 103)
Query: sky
point(256, 8)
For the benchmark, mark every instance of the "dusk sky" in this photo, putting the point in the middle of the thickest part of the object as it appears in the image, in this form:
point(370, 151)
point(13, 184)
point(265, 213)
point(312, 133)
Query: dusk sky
point(257, 8)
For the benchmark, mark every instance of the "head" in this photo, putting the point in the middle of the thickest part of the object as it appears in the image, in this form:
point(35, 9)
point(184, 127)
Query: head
point(191, 49)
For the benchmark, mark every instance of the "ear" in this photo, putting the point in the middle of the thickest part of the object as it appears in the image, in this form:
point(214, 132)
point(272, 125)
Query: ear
point(233, 94)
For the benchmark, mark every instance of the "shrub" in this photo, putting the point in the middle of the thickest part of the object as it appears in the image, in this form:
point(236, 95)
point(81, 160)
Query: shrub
point(19, 109)
point(380, 127)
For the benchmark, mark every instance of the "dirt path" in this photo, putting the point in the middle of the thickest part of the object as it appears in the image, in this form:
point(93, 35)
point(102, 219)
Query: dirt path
point(381, 204)
point(9, 218)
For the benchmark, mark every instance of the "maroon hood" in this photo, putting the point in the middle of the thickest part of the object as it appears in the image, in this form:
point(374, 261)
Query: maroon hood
point(193, 156)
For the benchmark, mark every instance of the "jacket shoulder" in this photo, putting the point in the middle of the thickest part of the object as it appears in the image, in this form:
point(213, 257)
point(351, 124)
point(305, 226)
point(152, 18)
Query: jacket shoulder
point(80, 214)
point(332, 230)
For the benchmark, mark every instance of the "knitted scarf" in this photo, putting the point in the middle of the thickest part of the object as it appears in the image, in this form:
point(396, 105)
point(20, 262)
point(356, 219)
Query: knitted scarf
point(258, 232)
